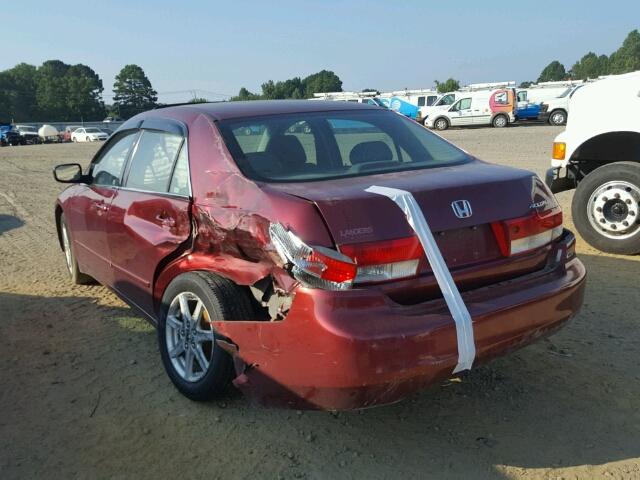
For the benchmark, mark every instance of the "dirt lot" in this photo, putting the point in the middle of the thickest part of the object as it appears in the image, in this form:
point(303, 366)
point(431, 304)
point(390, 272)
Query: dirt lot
point(83, 393)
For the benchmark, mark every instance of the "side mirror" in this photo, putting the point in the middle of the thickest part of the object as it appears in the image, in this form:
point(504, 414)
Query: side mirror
point(68, 173)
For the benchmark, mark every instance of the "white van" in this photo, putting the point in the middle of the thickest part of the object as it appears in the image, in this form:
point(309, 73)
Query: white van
point(542, 91)
point(485, 107)
point(599, 155)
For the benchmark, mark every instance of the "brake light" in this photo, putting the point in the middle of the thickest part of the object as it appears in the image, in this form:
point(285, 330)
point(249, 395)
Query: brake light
point(386, 260)
point(320, 267)
point(520, 235)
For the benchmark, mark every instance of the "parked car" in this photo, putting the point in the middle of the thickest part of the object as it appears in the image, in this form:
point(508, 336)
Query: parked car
point(486, 107)
point(283, 260)
point(528, 111)
point(9, 135)
point(556, 110)
point(112, 119)
point(29, 134)
point(599, 156)
point(88, 134)
point(68, 131)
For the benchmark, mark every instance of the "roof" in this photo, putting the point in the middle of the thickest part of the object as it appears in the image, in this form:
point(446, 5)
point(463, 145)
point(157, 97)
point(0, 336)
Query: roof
point(230, 110)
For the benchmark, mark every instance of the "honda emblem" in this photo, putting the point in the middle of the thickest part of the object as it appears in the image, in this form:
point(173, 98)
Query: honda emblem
point(462, 208)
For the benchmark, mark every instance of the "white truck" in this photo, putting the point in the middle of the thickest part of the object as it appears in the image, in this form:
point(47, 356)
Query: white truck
point(599, 156)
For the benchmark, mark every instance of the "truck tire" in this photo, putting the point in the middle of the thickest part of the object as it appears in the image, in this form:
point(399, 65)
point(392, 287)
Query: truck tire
point(606, 208)
point(558, 117)
point(198, 367)
point(500, 121)
point(441, 124)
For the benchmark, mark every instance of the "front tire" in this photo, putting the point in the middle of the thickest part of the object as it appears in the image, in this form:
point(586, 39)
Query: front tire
point(606, 208)
point(198, 367)
point(558, 117)
point(441, 124)
point(77, 277)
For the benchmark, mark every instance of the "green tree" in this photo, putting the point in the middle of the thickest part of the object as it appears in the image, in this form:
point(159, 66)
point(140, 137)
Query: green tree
point(84, 94)
point(321, 82)
point(590, 66)
point(133, 92)
point(449, 85)
point(51, 91)
point(627, 57)
point(526, 84)
point(23, 101)
point(198, 100)
point(553, 72)
point(245, 94)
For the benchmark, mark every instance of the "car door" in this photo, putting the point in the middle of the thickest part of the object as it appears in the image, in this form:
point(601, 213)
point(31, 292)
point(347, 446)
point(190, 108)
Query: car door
point(149, 219)
point(460, 113)
point(88, 210)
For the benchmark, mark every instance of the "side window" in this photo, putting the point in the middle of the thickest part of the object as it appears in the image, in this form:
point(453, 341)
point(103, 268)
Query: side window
point(421, 101)
point(522, 96)
point(107, 170)
point(180, 179)
point(448, 100)
point(431, 100)
point(456, 107)
point(465, 104)
point(152, 161)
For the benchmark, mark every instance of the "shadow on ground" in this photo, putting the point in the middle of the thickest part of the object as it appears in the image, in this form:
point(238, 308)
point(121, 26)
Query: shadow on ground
point(9, 222)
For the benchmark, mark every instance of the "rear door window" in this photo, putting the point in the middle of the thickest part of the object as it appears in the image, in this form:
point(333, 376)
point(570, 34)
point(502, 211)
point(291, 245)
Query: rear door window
point(180, 184)
point(152, 162)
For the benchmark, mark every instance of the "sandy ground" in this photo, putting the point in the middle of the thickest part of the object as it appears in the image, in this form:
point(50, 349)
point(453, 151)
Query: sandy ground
point(83, 393)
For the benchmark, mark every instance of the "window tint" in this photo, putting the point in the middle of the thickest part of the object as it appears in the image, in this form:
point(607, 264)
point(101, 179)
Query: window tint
point(322, 145)
point(152, 161)
point(421, 101)
point(180, 179)
point(107, 170)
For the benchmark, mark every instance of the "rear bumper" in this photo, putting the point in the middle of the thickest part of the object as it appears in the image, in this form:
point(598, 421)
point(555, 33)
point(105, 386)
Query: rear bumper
point(357, 349)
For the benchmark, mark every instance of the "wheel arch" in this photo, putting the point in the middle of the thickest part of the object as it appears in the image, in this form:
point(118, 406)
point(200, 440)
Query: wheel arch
point(604, 149)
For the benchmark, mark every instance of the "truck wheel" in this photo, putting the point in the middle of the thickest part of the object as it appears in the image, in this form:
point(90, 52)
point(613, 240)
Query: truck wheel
point(606, 208)
point(558, 117)
point(198, 367)
point(500, 121)
point(441, 124)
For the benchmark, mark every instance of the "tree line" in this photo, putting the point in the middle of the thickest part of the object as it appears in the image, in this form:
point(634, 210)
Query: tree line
point(58, 92)
point(624, 60)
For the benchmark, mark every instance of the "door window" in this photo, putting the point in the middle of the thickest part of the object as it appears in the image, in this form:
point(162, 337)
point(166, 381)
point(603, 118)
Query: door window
point(153, 160)
point(107, 170)
point(465, 104)
point(447, 100)
point(180, 179)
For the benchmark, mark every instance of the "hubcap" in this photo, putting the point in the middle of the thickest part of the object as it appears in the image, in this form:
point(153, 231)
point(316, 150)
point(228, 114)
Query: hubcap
point(500, 122)
point(67, 248)
point(558, 118)
point(189, 336)
point(613, 210)
point(441, 124)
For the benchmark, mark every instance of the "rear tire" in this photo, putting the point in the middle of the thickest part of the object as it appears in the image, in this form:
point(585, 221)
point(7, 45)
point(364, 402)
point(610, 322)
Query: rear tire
point(77, 277)
point(604, 201)
point(558, 117)
point(181, 335)
point(500, 121)
point(441, 124)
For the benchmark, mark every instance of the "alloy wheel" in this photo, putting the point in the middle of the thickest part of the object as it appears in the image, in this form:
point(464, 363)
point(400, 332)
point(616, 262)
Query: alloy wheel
point(189, 336)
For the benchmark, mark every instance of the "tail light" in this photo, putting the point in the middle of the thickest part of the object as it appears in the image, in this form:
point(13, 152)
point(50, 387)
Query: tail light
point(520, 235)
point(320, 267)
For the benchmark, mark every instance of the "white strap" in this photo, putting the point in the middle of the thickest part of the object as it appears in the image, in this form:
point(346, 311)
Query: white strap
point(459, 312)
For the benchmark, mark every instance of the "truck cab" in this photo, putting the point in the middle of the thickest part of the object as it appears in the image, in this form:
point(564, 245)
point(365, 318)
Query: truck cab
point(599, 157)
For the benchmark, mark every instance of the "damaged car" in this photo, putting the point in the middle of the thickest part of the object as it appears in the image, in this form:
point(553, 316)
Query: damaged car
point(320, 255)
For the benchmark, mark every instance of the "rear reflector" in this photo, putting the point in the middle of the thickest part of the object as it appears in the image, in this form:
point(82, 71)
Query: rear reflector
point(520, 235)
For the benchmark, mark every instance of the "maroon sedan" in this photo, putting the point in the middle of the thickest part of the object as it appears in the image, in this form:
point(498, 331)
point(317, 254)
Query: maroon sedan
point(319, 254)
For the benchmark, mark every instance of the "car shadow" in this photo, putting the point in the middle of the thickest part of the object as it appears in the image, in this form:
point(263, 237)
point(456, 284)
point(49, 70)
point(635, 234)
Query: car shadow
point(86, 368)
point(9, 222)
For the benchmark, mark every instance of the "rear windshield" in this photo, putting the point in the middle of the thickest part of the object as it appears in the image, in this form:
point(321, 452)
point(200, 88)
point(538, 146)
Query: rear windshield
point(324, 145)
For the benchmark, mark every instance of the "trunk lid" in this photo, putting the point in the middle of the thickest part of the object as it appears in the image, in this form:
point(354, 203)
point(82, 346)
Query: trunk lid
point(494, 193)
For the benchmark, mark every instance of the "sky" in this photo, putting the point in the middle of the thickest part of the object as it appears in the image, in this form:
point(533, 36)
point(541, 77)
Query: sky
point(217, 47)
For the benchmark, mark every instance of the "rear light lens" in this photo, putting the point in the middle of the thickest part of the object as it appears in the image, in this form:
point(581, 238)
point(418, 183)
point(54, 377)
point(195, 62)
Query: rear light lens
point(523, 234)
point(559, 150)
point(320, 267)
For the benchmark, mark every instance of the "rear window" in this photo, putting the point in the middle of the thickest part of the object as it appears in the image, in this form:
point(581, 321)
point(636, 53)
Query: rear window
point(325, 145)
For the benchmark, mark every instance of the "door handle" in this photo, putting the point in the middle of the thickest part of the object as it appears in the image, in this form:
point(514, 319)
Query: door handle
point(100, 205)
point(166, 220)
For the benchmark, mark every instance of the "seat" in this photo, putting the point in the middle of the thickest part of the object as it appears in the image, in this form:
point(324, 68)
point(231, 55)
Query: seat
point(288, 150)
point(366, 152)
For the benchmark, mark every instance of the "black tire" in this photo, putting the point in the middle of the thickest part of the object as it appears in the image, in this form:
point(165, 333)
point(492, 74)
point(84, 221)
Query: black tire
point(223, 300)
point(558, 117)
point(441, 124)
point(628, 172)
point(77, 277)
point(500, 121)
